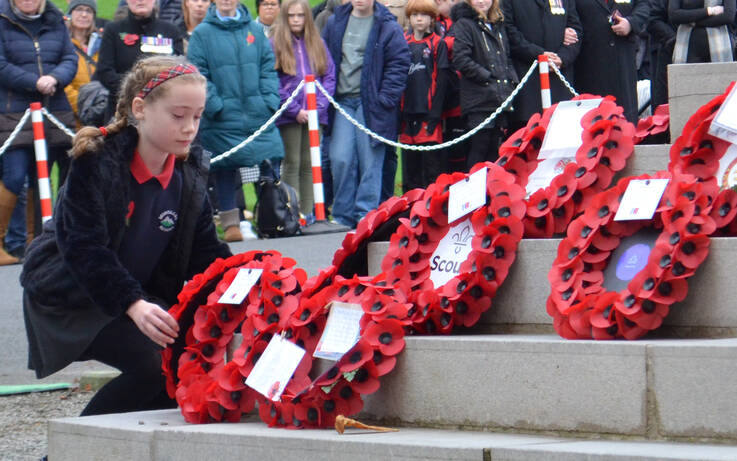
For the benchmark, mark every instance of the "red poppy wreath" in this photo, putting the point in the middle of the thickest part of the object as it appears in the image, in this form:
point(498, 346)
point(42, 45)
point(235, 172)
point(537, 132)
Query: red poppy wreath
point(710, 159)
point(581, 305)
point(451, 271)
point(608, 141)
point(654, 124)
point(206, 388)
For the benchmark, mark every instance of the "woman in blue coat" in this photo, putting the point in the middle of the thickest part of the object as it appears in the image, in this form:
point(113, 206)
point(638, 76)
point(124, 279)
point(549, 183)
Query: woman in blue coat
point(37, 60)
point(235, 56)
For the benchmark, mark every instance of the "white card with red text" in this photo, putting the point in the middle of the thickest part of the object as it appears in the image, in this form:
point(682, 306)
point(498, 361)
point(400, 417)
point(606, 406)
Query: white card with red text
point(275, 368)
point(240, 286)
point(641, 199)
point(467, 195)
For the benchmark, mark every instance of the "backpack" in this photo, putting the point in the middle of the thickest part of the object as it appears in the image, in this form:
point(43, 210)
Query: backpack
point(91, 103)
point(277, 207)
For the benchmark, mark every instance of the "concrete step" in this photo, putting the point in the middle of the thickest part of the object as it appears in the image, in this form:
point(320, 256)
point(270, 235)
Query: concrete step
point(163, 435)
point(709, 310)
point(647, 159)
point(692, 85)
point(653, 389)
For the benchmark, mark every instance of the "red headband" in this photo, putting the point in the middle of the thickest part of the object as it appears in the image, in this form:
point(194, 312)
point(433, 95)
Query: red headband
point(168, 74)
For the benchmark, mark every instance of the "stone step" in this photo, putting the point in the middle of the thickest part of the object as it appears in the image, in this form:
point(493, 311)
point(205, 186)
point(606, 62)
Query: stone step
point(653, 389)
point(709, 310)
point(163, 435)
point(692, 85)
point(647, 159)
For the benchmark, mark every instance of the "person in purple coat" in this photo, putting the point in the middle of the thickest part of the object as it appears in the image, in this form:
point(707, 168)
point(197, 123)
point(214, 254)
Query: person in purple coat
point(300, 51)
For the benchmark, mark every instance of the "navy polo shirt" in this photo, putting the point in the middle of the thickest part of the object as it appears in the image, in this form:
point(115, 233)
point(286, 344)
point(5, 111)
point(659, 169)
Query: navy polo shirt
point(153, 214)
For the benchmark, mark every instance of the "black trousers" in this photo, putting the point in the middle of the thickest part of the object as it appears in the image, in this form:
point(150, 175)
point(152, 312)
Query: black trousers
point(420, 169)
point(140, 385)
point(484, 146)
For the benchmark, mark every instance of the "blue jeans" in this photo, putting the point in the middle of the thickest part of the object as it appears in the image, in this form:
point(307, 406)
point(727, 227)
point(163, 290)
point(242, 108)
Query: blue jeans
point(356, 167)
point(16, 165)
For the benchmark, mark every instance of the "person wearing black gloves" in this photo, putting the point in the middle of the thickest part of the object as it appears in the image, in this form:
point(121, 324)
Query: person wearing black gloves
point(481, 55)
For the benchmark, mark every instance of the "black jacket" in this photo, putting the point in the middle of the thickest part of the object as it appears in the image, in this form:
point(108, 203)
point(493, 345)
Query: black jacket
point(534, 29)
point(482, 58)
point(606, 64)
point(73, 280)
point(117, 57)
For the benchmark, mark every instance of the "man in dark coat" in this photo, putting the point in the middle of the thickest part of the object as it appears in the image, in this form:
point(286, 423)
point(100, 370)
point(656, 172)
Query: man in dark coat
point(606, 64)
point(537, 27)
point(662, 39)
point(372, 62)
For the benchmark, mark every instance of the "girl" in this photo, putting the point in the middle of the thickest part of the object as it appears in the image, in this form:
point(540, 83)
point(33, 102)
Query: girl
point(299, 51)
point(422, 102)
point(193, 12)
point(86, 41)
point(131, 225)
point(481, 55)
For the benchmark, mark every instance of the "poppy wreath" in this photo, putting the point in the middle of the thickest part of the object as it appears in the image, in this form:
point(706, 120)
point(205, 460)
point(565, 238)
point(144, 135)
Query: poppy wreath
point(497, 229)
point(697, 153)
point(206, 387)
point(607, 143)
point(581, 306)
point(657, 123)
point(339, 390)
point(377, 226)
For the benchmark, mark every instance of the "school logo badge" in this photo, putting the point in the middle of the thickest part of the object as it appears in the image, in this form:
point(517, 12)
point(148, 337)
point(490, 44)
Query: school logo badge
point(168, 220)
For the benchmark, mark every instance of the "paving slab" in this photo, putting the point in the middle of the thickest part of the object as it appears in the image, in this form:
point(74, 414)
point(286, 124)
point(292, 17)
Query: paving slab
point(520, 382)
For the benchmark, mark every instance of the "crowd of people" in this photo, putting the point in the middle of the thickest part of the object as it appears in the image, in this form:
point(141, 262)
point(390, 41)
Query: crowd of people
point(419, 71)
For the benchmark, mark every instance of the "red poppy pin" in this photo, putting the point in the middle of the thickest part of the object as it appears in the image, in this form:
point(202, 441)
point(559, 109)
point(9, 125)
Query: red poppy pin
point(129, 39)
point(131, 207)
point(250, 38)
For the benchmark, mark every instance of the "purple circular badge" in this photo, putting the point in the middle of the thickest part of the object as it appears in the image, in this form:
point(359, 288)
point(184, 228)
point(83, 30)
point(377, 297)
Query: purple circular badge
point(633, 260)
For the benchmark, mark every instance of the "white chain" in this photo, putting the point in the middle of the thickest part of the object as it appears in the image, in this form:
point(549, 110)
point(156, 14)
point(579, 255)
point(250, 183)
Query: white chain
point(457, 140)
point(268, 123)
point(58, 123)
point(15, 132)
point(563, 79)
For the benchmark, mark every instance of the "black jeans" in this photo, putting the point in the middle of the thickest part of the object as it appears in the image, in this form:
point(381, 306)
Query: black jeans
point(140, 385)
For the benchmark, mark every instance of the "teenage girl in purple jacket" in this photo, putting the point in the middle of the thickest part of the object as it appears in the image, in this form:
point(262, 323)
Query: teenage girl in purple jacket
point(299, 51)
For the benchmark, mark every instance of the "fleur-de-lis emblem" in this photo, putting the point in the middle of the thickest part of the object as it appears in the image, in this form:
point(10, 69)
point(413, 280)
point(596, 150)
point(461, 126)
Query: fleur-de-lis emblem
point(461, 238)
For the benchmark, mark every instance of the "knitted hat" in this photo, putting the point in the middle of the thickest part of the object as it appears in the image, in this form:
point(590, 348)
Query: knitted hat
point(75, 3)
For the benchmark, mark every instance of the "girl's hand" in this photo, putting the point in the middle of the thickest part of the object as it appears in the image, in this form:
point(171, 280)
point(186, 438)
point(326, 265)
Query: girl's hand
point(154, 322)
point(302, 117)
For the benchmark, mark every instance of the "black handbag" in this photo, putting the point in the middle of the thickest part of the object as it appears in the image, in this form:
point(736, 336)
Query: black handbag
point(277, 207)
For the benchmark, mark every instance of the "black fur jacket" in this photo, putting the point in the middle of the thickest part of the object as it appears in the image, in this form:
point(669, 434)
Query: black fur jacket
point(73, 281)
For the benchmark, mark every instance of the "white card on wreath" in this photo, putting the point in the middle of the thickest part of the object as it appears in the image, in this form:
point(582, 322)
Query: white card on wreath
point(641, 199)
point(563, 136)
point(545, 172)
point(452, 250)
point(342, 330)
point(724, 125)
point(467, 195)
point(727, 171)
point(275, 368)
point(244, 280)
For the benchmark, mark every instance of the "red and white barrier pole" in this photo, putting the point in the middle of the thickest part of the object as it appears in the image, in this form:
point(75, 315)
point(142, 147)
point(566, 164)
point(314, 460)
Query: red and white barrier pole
point(544, 67)
point(42, 164)
point(313, 125)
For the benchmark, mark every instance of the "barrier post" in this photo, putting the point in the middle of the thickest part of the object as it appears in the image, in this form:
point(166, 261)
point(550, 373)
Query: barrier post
point(544, 67)
point(313, 124)
point(42, 164)
point(321, 224)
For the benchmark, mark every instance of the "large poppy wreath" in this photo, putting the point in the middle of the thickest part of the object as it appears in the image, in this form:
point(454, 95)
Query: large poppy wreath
point(580, 304)
point(205, 386)
point(710, 159)
point(607, 143)
point(494, 232)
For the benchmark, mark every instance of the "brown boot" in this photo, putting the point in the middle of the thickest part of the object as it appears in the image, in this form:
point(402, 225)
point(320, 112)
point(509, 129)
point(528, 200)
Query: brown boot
point(7, 204)
point(30, 216)
point(231, 224)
